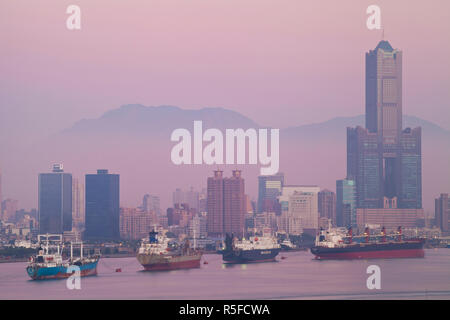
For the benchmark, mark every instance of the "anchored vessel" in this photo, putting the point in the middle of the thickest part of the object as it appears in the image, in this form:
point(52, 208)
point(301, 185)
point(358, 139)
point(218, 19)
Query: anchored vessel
point(158, 253)
point(287, 245)
point(332, 244)
point(254, 249)
point(48, 263)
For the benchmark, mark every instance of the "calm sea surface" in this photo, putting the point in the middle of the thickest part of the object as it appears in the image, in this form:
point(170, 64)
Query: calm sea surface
point(296, 277)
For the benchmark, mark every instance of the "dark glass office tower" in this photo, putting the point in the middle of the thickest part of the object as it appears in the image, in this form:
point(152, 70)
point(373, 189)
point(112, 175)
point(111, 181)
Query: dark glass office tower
point(55, 201)
point(269, 188)
point(345, 203)
point(384, 160)
point(102, 206)
point(442, 213)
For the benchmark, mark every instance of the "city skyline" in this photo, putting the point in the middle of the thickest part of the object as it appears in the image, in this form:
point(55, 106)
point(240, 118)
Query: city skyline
point(224, 151)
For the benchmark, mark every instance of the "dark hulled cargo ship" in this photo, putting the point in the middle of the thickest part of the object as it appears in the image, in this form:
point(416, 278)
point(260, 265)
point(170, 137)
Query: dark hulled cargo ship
point(332, 245)
point(254, 249)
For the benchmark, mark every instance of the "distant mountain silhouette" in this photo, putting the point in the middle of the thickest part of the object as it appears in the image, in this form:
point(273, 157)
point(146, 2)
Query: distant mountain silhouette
point(138, 119)
point(339, 124)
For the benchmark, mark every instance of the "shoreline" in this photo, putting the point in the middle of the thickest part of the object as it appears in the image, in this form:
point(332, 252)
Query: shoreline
point(13, 260)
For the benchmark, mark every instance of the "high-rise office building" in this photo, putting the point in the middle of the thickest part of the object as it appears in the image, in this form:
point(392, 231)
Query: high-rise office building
point(303, 212)
point(383, 159)
point(136, 223)
point(189, 197)
point(442, 213)
point(78, 205)
point(327, 205)
point(197, 227)
point(192, 198)
point(9, 207)
point(151, 203)
point(234, 204)
point(180, 215)
point(214, 204)
point(178, 196)
point(345, 203)
point(102, 206)
point(55, 201)
point(226, 204)
point(269, 188)
point(299, 209)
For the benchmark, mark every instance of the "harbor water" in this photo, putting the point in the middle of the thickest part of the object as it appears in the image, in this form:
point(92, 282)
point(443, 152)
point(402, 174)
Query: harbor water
point(295, 275)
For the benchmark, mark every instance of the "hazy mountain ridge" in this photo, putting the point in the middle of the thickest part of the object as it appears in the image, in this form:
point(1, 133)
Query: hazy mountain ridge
point(341, 123)
point(137, 118)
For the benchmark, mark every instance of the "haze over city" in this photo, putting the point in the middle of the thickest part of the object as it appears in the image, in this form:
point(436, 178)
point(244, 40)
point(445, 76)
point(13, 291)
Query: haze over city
point(225, 150)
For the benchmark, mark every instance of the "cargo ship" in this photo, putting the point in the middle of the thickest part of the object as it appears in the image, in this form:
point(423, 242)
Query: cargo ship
point(158, 253)
point(334, 245)
point(253, 249)
point(48, 263)
point(287, 245)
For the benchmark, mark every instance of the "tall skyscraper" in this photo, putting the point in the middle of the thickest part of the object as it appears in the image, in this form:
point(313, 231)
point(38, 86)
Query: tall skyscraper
point(214, 204)
point(226, 204)
point(383, 159)
point(151, 203)
point(78, 205)
point(442, 213)
point(235, 206)
point(345, 203)
point(327, 205)
point(102, 206)
point(55, 201)
point(269, 188)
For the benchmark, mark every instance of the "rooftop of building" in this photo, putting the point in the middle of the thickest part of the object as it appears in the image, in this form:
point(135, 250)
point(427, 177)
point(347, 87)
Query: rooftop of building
point(385, 45)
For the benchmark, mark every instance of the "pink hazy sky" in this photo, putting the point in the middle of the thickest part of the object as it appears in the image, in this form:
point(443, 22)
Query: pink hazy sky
point(282, 63)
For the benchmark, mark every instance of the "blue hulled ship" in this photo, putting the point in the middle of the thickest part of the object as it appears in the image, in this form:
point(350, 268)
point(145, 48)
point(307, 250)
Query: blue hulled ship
point(48, 263)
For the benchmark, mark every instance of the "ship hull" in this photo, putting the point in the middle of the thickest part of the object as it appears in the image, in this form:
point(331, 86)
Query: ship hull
point(371, 251)
point(60, 272)
point(250, 256)
point(164, 262)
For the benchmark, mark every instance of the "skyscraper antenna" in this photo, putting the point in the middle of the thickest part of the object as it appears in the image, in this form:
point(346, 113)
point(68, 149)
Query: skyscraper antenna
point(382, 33)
